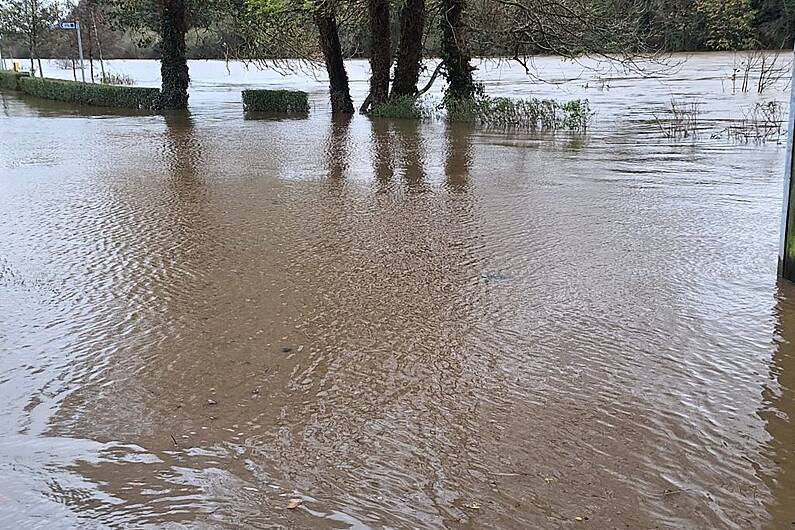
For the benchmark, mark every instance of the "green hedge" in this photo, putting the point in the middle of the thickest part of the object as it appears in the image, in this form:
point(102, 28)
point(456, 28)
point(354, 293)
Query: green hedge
point(275, 101)
point(91, 94)
point(9, 80)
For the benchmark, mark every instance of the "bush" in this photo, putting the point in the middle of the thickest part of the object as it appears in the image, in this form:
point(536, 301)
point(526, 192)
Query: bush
point(9, 80)
point(275, 101)
point(117, 79)
point(91, 94)
point(530, 113)
point(404, 107)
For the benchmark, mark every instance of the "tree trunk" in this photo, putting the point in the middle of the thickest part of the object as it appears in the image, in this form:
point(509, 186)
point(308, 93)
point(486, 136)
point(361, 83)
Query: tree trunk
point(99, 44)
point(454, 50)
point(409, 54)
point(380, 50)
point(173, 64)
point(90, 53)
point(332, 52)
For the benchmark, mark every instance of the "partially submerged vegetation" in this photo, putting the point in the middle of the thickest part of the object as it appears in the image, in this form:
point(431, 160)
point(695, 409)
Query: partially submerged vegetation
point(402, 107)
point(100, 95)
point(679, 119)
point(764, 122)
point(761, 123)
point(9, 80)
point(275, 101)
point(494, 112)
point(532, 113)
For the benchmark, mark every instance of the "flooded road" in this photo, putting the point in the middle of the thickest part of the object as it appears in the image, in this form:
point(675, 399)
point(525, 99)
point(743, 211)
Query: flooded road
point(405, 325)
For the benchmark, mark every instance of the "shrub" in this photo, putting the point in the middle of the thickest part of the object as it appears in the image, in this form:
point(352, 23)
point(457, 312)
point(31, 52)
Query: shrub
point(275, 101)
point(530, 113)
point(9, 80)
point(404, 107)
point(117, 79)
point(91, 94)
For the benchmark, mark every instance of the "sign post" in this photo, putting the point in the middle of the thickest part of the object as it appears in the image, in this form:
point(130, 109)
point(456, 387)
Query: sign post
point(76, 26)
point(786, 253)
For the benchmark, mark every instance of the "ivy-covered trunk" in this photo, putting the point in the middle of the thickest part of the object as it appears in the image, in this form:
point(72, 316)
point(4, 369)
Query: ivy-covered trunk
point(409, 54)
point(332, 52)
point(380, 50)
point(454, 50)
point(173, 64)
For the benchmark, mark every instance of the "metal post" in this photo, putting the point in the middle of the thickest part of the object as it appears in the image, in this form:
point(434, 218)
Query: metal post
point(786, 254)
point(80, 47)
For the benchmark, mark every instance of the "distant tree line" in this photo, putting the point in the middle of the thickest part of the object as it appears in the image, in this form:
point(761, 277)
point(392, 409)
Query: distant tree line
point(395, 35)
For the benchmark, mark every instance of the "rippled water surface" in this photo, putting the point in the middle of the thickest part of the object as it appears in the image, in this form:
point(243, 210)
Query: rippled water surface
point(405, 325)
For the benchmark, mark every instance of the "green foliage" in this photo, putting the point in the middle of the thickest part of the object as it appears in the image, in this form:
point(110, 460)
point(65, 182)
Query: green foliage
point(275, 101)
point(91, 94)
point(9, 80)
point(404, 107)
point(530, 113)
point(729, 23)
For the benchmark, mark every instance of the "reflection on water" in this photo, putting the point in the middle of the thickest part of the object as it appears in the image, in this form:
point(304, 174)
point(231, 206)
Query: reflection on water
point(778, 411)
point(407, 325)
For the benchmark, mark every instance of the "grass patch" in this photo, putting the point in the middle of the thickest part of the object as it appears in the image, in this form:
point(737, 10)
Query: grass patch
point(530, 113)
point(404, 107)
point(9, 80)
point(90, 93)
point(275, 101)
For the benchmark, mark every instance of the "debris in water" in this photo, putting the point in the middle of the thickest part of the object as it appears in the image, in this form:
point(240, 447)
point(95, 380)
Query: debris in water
point(292, 504)
point(473, 506)
point(212, 402)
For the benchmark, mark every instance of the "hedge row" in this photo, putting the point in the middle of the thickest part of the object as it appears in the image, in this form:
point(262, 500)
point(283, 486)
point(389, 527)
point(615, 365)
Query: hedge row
point(91, 94)
point(9, 80)
point(275, 101)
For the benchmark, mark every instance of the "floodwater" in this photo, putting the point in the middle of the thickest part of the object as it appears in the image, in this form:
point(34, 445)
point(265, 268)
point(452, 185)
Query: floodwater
point(404, 325)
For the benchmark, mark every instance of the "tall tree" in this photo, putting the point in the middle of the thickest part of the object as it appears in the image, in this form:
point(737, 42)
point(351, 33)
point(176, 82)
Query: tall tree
point(169, 20)
point(328, 32)
point(279, 29)
point(409, 52)
point(29, 20)
point(454, 50)
point(173, 60)
point(380, 50)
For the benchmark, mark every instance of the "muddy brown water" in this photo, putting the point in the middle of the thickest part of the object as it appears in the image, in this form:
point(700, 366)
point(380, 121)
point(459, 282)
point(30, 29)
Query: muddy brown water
point(405, 325)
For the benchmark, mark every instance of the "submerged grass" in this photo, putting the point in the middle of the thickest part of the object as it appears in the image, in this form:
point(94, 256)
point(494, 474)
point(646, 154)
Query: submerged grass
point(532, 113)
point(404, 107)
point(490, 112)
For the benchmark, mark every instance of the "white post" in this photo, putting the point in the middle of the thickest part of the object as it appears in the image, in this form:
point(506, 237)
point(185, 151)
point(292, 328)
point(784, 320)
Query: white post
point(786, 253)
point(80, 47)
point(2, 59)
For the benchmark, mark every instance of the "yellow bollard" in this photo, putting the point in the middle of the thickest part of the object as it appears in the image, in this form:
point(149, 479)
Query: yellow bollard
point(16, 66)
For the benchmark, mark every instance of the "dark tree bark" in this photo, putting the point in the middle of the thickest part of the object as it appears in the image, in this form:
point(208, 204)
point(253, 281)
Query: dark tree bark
point(335, 66)
point(454, 50)
point(173, 64)
point(409, 54)
point(380, 50)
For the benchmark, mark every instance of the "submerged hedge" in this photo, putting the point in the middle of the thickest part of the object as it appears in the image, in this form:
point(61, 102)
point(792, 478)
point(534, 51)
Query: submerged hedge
point(91, 94)
point(275, 101)
point(9, 80)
